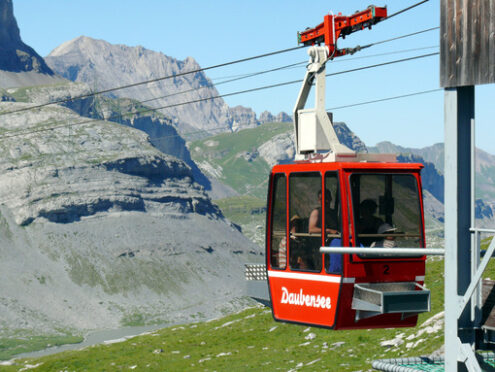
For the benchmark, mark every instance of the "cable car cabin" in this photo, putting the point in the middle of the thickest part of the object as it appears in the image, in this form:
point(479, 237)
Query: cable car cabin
point(362, 205)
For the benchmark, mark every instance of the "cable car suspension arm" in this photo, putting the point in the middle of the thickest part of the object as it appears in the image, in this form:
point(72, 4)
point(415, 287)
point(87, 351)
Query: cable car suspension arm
point(335, 26)
point(313, 128)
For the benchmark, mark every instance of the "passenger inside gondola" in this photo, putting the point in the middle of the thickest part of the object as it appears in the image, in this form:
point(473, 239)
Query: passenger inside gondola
point(330, 216)
point(301, 256)
point(382, 203)
point(280, 256)
point(303, 190)
point(306, 200)
point(387, 241)
point(368, 223)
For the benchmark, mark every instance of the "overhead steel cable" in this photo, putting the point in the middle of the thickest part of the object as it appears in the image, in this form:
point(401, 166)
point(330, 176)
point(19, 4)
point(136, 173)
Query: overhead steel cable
point(332, 108)
point(143, 111)
point(406, 9)
point(283, 84)
point(361, 47)
point(402, 37)
point(384, 54)
point(291, 66)
point(343, 59)
point(384, 64)
point(226, 81)
point(152, 80)
point(385, 99)
point(87, 95)
point(290, 82)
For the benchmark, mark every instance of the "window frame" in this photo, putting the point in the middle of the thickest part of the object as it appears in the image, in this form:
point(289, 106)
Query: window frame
point(354, 224)
point(289, 213)
point(273, 189)
point(340, 225)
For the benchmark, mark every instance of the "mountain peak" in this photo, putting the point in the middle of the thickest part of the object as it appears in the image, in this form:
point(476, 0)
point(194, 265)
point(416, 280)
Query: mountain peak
point(9, 31)
point(80, 42)
point(15, 56)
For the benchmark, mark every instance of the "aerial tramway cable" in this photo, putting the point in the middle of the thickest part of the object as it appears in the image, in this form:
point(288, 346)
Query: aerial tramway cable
point(153, 80)
point(190, 72)
point(406, 9)
point(220, 127)
point(290, 66)
point(216, 97)
point(226, 81)
point(331, 108)
point(288, 82)
point(395, 38)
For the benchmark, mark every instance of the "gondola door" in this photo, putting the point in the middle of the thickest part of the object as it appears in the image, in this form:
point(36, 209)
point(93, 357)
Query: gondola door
point(304, 284)
point(386, 211)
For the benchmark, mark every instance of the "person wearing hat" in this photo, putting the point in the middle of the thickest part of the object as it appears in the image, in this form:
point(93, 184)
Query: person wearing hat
point(386, 241)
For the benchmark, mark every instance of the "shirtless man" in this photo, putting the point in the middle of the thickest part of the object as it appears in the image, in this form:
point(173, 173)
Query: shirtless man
point(330, 216)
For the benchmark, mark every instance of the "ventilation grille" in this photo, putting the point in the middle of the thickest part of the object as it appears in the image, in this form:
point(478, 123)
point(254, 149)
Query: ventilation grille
point(255, 271)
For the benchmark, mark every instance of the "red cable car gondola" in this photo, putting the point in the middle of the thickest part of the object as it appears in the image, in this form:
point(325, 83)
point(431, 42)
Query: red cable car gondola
point(364, 205)
point(333, 197)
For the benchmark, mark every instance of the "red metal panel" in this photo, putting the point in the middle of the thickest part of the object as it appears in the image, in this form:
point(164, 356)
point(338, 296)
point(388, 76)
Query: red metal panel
point(309, 298)
point(301, 297)
point(341, 25)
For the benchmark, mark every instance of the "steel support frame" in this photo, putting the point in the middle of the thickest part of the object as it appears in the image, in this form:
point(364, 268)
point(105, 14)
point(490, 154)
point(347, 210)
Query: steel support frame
point(315, 74)
point(460, 336)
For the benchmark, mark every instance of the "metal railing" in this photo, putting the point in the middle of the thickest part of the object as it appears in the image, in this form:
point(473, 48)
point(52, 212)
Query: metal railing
point(385, 251)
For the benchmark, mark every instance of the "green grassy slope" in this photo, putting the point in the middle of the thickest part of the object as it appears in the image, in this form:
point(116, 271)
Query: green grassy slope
point(23, 342)
point(248, 212)
point(234, 159)
point(234, 156)
point(252, 340)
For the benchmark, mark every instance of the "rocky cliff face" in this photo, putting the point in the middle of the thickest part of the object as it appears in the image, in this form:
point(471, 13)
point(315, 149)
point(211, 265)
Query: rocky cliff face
point(86, 169)
point(242, 118)
point(281, 148)
point(160, 129)
point(98, 227)
point(20, 65)
point(268, 117)
point(101, 64)
point(16, 56)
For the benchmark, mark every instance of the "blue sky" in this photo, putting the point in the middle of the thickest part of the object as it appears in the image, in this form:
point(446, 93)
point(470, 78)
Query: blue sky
point(218, 31)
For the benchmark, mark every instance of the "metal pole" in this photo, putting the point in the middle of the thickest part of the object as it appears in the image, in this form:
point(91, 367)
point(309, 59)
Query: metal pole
point(476, 302)
point(459, 332)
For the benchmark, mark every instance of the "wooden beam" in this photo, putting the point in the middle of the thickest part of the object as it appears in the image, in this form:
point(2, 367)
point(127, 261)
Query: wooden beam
point(467, 42)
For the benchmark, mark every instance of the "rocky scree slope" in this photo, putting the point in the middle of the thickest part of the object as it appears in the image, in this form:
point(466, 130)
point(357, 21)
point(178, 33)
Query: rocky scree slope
point(101, 64)
point(99, 229)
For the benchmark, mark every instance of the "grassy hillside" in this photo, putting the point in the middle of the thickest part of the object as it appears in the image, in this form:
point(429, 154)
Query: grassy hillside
point(248, 212)
point(234, 160)
point(25, 342)
point(252, 340)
